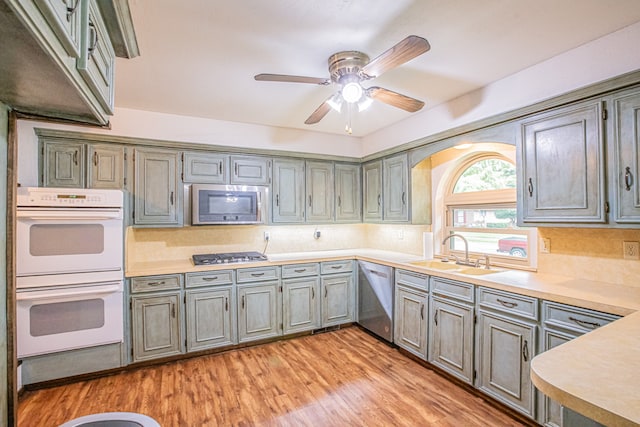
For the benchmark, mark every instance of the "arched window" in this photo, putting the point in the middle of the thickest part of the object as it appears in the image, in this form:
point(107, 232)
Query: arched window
point(480, 205)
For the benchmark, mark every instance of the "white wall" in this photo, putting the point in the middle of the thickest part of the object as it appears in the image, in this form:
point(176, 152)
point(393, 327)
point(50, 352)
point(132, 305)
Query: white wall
point(603, 58)
point(598, 60)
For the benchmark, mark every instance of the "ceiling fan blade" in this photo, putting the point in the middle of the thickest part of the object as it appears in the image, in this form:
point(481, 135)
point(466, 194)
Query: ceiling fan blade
point(291, 79)
point(402, 52)
point(395, 99)
point(320, 112)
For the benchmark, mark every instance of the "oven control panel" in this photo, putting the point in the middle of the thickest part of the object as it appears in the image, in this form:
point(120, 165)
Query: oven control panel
point(63, 197)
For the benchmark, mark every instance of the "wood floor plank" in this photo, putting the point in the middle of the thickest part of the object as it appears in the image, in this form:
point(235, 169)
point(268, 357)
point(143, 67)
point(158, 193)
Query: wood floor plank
point(340, 378)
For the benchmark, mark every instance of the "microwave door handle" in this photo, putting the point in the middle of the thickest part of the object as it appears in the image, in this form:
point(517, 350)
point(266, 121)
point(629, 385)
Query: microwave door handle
point(67, 294)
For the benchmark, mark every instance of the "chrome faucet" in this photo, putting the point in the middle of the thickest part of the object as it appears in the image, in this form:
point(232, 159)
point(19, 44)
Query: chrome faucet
point(466, 261)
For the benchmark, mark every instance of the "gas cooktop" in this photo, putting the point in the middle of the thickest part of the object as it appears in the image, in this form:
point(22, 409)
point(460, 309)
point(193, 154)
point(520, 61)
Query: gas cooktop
point(228, 258)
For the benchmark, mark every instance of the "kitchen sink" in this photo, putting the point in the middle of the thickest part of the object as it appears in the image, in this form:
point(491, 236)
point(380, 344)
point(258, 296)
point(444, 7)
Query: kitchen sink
point(436, 265)
point(476, 271)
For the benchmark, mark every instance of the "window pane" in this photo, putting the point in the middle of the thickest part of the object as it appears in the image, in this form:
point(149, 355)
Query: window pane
point(492, 243)
point(488, 174)
point(484, 218)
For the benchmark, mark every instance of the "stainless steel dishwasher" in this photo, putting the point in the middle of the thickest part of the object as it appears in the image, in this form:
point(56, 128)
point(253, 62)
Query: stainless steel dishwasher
point(375, 299)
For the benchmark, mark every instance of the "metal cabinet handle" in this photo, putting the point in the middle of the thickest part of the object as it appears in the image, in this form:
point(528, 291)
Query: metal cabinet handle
point(243, 302)
point(592, 325)
point(173, 310)
point(628, 178)
point(210, 279)
point(226, 304)
point(339, 201)
point(404, 198)
point(336, 267)
point(257, 274)
point(507, 303)
point(435, 318)
point(525, 351)
point(379, 200)
point(95, 158)
point(171, 198)
point(156, 283)
point(422, 311)
point(220, 167)
point(530, 187)
point(300, 270)
point(93, 35)
point(277, 200)
point(235, 169)
point(309, 200)
point(313, 293)
point(325, 292)
point(72, 10)
point(75, 157)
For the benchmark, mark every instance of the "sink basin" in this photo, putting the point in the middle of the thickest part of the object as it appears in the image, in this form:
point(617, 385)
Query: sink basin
point(473, 271)
point(436, 265)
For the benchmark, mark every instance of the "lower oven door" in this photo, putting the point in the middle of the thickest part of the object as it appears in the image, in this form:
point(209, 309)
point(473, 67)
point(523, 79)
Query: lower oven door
point(66, 318)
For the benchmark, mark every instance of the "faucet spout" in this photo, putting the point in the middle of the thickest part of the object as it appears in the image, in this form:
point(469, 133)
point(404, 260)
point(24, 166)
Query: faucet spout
point(466, 247)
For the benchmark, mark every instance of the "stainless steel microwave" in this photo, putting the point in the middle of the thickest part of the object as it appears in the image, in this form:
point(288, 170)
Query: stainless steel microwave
point(228, 204)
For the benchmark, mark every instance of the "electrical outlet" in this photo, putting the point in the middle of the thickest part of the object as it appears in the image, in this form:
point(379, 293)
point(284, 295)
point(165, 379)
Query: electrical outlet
point(631, 250)
point(400, 234)
point(267, 236)
point(316, 234)
point(545, 245)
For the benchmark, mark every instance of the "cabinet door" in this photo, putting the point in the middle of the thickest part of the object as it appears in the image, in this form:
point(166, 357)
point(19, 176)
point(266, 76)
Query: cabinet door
point(209, 318)
point(64, 18)
point(337, 299)
point(562, 167)
point(288, 190)
point(106, 167)
point(319, 183)
point(249, 170)
point(372, 191)
point(156, 184)
point(348, 195)
point(259, 311)
point(395, 178)
point(551, 410)
point(156, 326)
point(506, 347)
point(410, 319)
point(97, 57)
point(451, 338)
point(204, 168)
point(625, 164)
point(63, 164)
point(301, 304)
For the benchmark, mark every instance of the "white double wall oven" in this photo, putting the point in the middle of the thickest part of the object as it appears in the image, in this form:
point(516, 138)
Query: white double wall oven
point(69, 268)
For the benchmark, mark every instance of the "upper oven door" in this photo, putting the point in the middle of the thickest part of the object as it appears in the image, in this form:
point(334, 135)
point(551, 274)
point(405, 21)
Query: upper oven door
point(60, 241)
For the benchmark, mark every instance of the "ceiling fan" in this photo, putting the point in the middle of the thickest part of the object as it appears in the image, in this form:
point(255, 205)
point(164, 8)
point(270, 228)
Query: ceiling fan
point(350, 68)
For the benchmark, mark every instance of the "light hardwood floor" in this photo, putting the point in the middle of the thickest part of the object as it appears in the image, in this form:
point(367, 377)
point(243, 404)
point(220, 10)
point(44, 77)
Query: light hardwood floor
point(340, 378)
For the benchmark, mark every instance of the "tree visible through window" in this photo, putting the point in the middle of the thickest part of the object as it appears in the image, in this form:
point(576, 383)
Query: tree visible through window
point(481, 206)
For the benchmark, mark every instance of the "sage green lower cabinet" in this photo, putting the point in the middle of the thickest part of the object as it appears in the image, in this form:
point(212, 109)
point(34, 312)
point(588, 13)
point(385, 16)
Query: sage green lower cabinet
point(338, 299)
point(506, 343)
point(259, 311)
point(451, 327)
point(156, 325)
point(301, 304)
point(411, 312)
point(210, 319)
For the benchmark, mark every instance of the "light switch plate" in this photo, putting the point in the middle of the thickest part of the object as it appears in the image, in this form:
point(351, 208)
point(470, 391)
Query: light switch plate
point(545, 245)
point(631, 250)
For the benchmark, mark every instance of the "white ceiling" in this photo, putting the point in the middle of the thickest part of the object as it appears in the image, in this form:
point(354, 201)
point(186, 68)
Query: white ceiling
point(198, 57)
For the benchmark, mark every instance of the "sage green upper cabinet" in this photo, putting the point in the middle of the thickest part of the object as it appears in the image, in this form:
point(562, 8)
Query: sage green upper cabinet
point(624, 156)
point(372, 191)
point(97, 58)
point(63, 165)
point(60, 62)
point(250, 170)
point(348, 193)
point(205, 168)
point(395, 178)
point(288, 191)
point(157, 198)
point(562, 166)
point(106, 167)
point(319, 185)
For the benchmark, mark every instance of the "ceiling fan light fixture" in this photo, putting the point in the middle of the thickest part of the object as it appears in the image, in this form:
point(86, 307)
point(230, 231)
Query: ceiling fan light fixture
point(364, 103)
point(352, 92)
point(335, 102)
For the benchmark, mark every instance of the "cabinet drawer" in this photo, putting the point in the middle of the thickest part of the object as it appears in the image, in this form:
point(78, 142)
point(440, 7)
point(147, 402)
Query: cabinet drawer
point(416, 280)
point(300, 270)
point(573, 318)
point(257, 274)
point(507, 302)
point(342, 266)
point(209, 278)
point(452, 289)
point(156, 283)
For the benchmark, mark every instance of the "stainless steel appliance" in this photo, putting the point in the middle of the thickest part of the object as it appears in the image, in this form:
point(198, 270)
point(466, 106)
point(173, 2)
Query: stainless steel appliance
point(375, 299)
point(228, 204)
point(69, 268)
point(226, 258)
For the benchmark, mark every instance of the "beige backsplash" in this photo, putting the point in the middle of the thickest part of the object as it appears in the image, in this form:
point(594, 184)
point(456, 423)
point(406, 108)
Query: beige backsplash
point(590, 254)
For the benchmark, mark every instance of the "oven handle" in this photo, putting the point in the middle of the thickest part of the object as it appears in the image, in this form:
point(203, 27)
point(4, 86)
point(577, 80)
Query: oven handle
point(67, 294)
point(70, 215)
